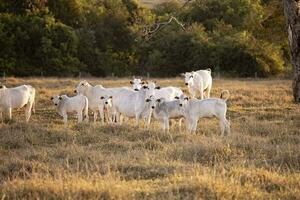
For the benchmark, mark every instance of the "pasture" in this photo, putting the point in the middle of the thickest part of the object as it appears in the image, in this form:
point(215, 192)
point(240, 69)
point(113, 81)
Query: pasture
point(259, 160)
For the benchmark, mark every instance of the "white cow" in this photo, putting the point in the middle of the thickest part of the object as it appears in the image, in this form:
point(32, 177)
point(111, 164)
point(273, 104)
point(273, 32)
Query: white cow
point(93, 93)
point(194, 109)
point(200, 80)
point(17, 97)
point(167, 93)
point(132, 104)
point(67, 105)
point(164, 110)
point(107, 101)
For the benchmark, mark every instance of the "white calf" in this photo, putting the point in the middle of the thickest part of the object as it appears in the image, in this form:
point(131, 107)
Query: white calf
point(200, 80)
point(164, 110)
point(17, 97)
point(93, 93)
point(67, 105)
point(107, 101)
point(195, 109)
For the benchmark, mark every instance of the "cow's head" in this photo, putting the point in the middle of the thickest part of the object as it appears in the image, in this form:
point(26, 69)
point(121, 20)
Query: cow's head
point(188, 78)
point(56, 99)
point(183, 101)
point(151, 102)
point(137, 84)
point(81, 87)
point(107, 100)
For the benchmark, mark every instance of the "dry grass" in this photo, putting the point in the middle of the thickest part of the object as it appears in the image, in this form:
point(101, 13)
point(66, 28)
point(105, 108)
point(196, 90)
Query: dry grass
point(259, 160)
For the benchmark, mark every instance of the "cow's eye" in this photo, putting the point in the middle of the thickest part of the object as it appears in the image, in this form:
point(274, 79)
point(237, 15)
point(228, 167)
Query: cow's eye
point(82, 84)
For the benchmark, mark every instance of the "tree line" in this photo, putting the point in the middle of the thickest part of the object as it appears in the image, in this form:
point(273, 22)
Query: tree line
point(105, 37)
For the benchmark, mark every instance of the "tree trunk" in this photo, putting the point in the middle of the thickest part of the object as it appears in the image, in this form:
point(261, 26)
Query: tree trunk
point(292, 17)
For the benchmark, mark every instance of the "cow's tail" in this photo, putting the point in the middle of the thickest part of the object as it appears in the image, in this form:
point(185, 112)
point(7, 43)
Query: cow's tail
point(226, 94)
point(86, 109)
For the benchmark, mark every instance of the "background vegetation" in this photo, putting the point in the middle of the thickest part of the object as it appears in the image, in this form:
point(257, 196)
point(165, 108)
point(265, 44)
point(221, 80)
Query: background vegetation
point(103, 37)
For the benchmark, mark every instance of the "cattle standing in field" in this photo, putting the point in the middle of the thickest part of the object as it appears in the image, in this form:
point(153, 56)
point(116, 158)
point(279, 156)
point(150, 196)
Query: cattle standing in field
point(194, 109)
point(17, 97)
point(200, 80)
point(132, 104)
point(164, 110)
point(107, 101)
point(94, 93)
point(66, 105)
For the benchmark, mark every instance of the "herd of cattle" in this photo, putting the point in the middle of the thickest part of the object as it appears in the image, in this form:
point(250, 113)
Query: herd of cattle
point(142, 101)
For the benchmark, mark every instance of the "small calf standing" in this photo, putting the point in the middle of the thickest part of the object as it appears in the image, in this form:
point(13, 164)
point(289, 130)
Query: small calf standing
point(195, 109)
point(17, 97)
point(164, 110)
point(109, 107)
point(76, 104)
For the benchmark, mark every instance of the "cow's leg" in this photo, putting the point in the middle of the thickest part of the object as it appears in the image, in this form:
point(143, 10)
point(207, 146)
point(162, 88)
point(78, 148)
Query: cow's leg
point(65, 119)
point(195, 122)
point(167, 125)
point(101, 112)
point(180, 123)
point(163, 125)
point(79, 117)
point(222, 126)
point(192, 92)
point(208, 89)
point(227, 126)
point(28, 111)
point(9, 110)
point(95, 115)
point(201, 92)
point(137, 119)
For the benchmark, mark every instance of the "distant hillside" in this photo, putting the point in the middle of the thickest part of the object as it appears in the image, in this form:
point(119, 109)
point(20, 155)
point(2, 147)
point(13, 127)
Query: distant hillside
point(151, 3)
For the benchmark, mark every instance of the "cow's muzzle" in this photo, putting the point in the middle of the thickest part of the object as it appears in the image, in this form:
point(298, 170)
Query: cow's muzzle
point(152, 107)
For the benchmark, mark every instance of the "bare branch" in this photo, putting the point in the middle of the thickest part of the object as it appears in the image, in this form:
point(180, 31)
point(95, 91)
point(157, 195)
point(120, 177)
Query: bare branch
point(149, 32)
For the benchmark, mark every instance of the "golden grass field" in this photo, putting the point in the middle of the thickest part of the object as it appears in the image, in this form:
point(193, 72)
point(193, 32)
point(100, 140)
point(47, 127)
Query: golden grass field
point(259, 160)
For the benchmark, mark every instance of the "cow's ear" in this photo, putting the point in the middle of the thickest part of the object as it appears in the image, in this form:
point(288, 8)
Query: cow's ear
point(60, 98)
point(176, 97)
point(148, 100)
point(131, 82)
point(186, 98)
point(110, 97)
point(101, 97)
point(143, 82)
point(52, 98)
point(145, 87)
point(158, 100)
point(157, 87)
point(154, 82)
